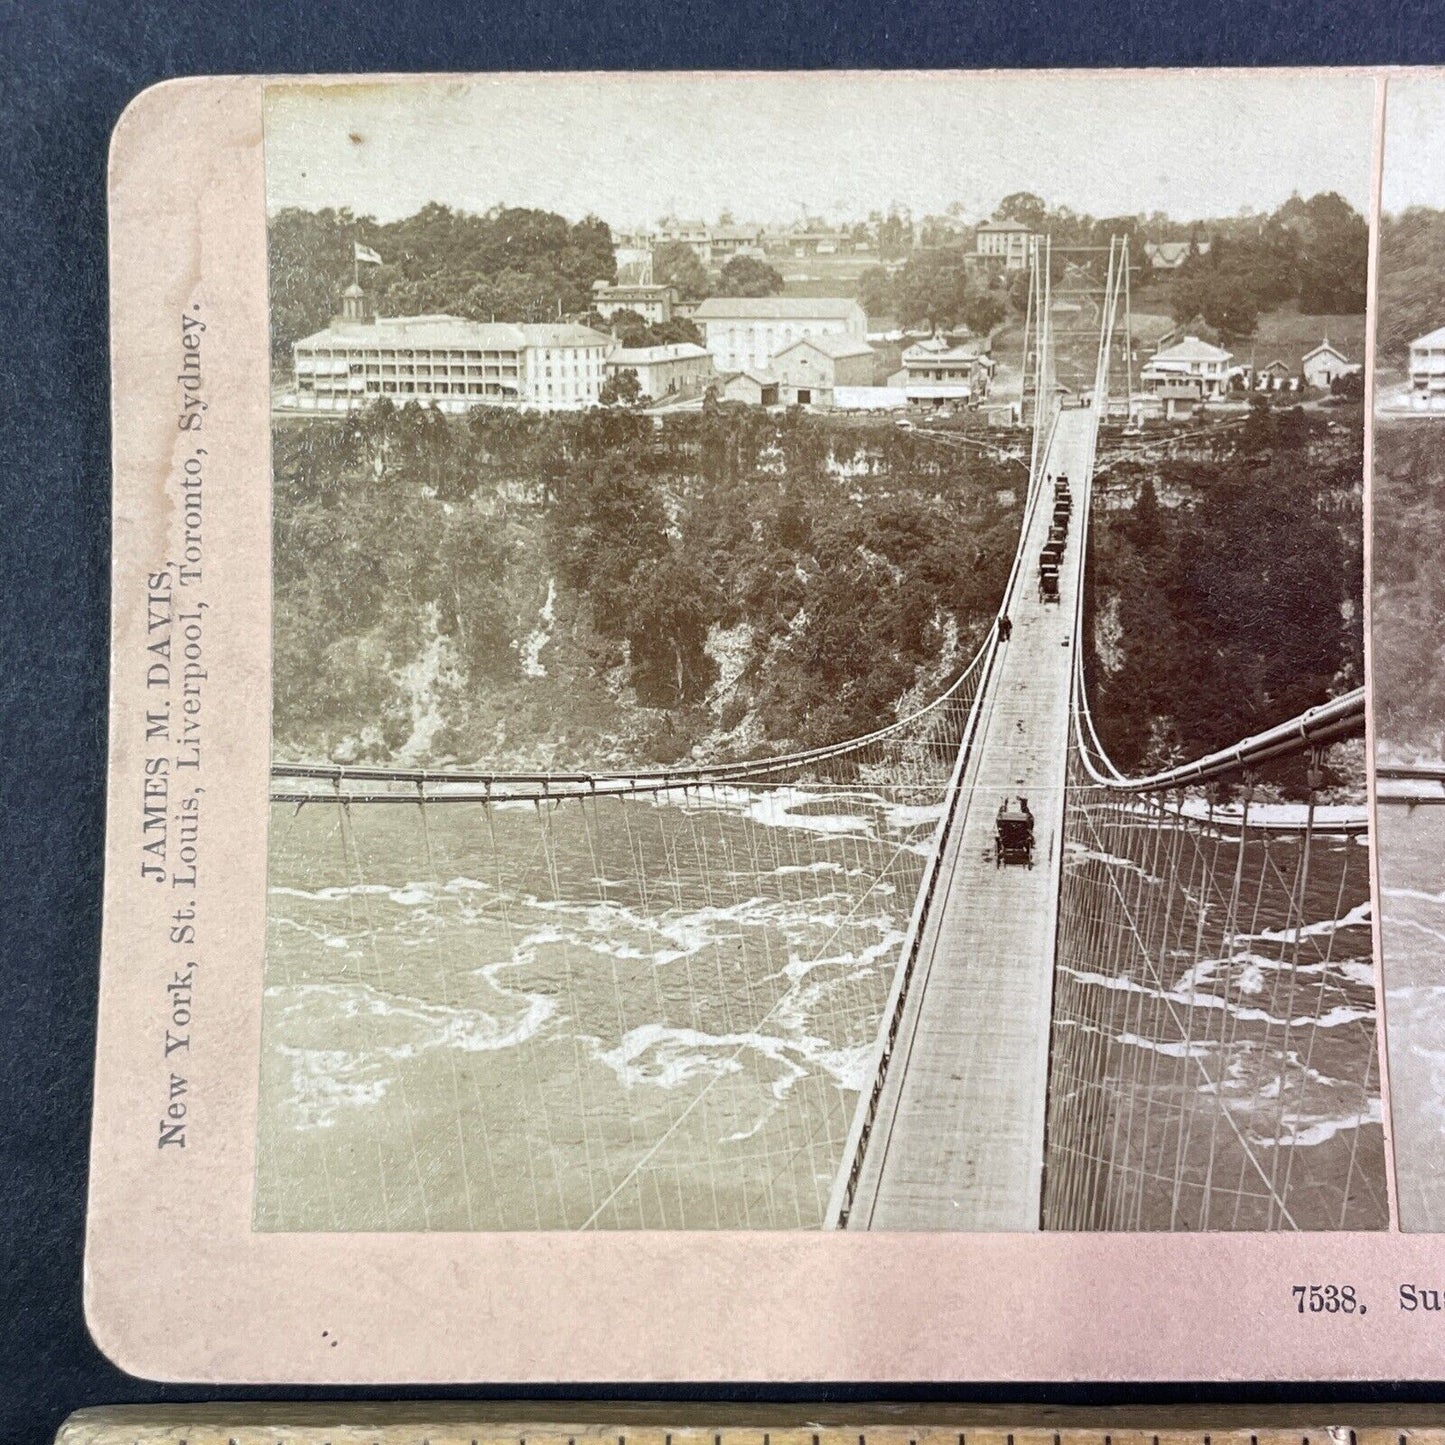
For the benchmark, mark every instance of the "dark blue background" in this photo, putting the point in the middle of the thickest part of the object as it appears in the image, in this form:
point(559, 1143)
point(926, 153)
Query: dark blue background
point(68, 70)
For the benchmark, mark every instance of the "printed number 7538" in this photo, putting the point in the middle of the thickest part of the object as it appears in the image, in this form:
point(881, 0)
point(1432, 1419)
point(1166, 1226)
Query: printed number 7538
point(1327, 1299)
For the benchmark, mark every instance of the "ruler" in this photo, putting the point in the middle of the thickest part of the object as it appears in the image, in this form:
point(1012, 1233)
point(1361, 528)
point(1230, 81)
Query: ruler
point(468, 1424)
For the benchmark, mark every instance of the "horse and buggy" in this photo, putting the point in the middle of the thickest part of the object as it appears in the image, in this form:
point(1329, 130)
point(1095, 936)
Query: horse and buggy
point(1013, 834)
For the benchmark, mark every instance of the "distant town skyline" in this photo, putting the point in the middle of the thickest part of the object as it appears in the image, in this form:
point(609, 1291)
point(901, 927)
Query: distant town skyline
point(771, 148)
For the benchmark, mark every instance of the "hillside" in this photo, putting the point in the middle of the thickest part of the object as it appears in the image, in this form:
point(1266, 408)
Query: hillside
point(1227, 587)
point(1409, 589)
point(590, 590)
point(1411, 298)
point(576, 591)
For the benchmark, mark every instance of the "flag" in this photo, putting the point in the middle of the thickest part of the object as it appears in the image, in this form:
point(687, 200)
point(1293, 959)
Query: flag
point(365, 253)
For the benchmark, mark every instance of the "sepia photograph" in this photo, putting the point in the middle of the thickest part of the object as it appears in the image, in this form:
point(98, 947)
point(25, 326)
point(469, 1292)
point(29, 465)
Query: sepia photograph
point(1407, 663)
point(817, 672)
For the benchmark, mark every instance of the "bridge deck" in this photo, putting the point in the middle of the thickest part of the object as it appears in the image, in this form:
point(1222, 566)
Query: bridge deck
point(958, 1140)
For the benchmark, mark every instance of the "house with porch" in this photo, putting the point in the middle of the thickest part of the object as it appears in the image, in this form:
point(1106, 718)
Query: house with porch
point(1190, 367)
point(939, 370)
point(1427, 371)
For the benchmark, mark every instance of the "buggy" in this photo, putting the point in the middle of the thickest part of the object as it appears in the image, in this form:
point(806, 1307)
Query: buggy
point(1013, 834)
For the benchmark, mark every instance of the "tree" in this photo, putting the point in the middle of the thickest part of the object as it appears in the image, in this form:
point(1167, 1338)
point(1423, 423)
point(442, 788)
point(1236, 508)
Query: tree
point(1238, 603)
point(1144, 527)
point(672, 603)
point(669, 333)
point(1312, 251)
point(895, 236)
point(622, 388)
point(406, 587)
point(1222, 297)
point(1334, 257)
point(512, 264)
point(1023, 206)
point(1411, 282)
point(675, 263)
point(747, 276)
point(942, 288)
point(632, 331)
point(1348, 386)
point(1408, 662)
point(609, 522)
point(875, 291)
point(309, 260)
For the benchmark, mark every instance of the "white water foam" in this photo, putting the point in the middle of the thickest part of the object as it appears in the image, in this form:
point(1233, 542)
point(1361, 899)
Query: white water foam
point(1334, 1019)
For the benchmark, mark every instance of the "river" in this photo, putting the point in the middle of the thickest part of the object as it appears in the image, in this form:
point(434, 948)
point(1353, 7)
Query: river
point(656, 1013)
point(1412, 926)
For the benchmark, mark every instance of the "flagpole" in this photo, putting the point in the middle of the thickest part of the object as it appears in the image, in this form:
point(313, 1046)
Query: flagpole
point(355, 264)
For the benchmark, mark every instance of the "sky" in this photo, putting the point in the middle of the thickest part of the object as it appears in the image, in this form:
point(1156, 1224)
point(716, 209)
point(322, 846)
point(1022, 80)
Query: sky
point(1413, 173)
point(632, 148)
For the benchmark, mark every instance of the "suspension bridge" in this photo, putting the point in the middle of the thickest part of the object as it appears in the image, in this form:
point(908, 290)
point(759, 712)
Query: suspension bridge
point(798, 990)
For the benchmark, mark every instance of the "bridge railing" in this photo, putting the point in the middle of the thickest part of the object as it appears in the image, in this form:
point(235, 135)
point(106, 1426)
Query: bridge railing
point(840, 1202)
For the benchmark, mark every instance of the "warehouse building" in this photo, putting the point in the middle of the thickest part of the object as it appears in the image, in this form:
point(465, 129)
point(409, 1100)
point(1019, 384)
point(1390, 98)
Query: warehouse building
point(809, 370)
point(744, 333)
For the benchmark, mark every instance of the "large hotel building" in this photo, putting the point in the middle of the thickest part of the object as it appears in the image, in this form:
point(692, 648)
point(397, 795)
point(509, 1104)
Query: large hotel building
point(446, 362)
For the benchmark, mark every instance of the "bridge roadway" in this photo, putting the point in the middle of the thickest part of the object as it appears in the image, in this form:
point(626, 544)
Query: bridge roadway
point(958, 1140)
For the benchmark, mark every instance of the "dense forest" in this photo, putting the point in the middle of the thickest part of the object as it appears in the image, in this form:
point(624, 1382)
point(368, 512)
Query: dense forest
point(593, 589)
point(939, 288)
point(1227, 589)
point(1411, 281)
point(1409, 589)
